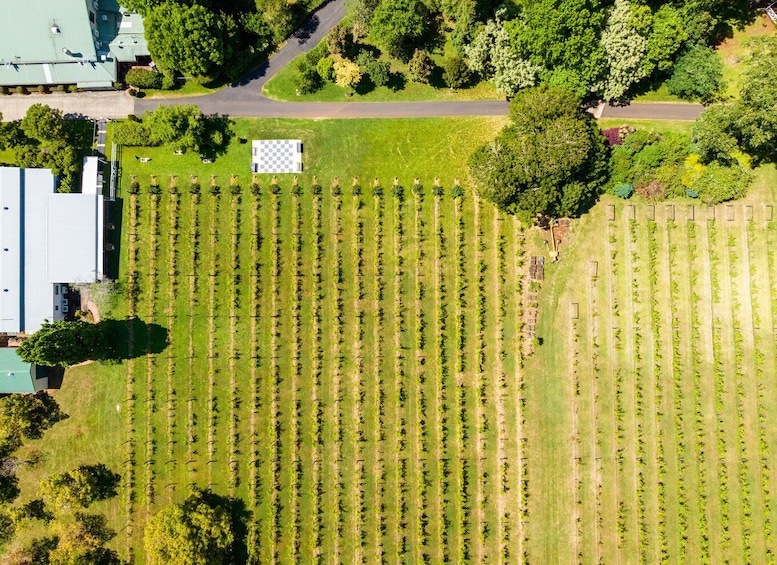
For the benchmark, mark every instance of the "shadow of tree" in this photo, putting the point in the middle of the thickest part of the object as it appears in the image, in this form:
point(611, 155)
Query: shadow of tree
point(132, 338)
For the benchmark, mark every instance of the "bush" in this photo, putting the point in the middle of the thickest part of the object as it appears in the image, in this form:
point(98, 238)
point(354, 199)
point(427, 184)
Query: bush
point(255, 190)
point(624, 191)
point(457, 192)
point(215, 190)
point(234, 189)
point(339, 40)
point(356, 189)
point(194, 188)
point(697, 74)
point(438, 190)
point(21, 90)
point(275, 189)
point(42, 89)
point(3, 90)
point(379, 72)
point(143, 78)
point(326, 69)
point(307, 79)
point(131, 134)
point(456, 73)
point(420, 67)
point(154, 189)
point(134, 187)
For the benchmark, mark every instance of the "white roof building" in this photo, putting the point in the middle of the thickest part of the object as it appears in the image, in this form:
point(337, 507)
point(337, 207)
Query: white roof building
point(47, 240)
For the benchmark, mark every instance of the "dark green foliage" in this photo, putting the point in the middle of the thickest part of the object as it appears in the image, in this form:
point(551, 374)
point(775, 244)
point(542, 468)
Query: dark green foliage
point(719, 183)
point(154, 189)
point(698, 74)
point(339, 40)
point(456, 73)
point(397, 25)
point(194, 188)
point(62, 343)
point(214, 190)
point(420, 67)
point(457, 191)
point(188, 39)
point(646, 157)
point(379, 72)
point(255, 190)
point(7, 527)
point(134, 187)
point(307, 79)
point(547, 163)
point(356, 190)
point(43, 124)
point(235, 190)
point(143, 78)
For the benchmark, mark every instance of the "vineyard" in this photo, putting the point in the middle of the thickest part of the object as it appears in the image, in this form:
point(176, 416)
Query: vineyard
point(344, 362)
point(652, 399)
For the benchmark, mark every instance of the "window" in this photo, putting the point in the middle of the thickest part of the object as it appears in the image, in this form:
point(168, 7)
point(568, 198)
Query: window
point(91, 16)
point(56, 308)
point(56, 289)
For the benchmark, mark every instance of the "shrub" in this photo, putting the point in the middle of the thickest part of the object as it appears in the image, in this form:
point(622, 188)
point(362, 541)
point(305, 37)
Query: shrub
point(456, 72)
point(131, 134)
point(326, 69)
point(379, 72)
point(275, 189)
point(457, 192)
point(339, 40)
point(652, 191)
point(356, 189)
point(420, 67)
point(255, 190)
point(234, 189)
point(194, 188)
point(377, 190)
point(624, 191)
point(438, 190)
point(134, 187)
point(21, 90)
point(154, 189)
point(215, 190)
point(144, 78)
point(307, 79)
point(3, 90)
point(315, 188)
point(398, 192)
point(42, 89)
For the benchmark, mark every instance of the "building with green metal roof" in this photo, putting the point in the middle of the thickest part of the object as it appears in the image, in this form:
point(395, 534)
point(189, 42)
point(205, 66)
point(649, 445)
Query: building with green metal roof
point(80, 42)
point(17, 376)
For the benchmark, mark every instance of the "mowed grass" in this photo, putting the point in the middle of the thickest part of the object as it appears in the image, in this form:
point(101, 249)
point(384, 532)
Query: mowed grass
point(344, 366)
point(652, 426)
point(370, 148)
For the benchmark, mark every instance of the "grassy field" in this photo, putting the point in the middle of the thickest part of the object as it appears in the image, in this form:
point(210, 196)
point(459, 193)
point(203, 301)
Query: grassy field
point(653, 427)
point(343, 365)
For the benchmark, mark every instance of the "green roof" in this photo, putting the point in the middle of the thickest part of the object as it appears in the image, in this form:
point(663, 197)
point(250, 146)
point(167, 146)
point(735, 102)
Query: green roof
point(66, 42)
point(15, 374)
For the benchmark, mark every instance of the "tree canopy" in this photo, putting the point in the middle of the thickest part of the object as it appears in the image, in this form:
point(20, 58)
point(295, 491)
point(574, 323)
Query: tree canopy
point(62, 343)
point(548, 162)
point(79, 487)
point(396, 24)
point(197, 532)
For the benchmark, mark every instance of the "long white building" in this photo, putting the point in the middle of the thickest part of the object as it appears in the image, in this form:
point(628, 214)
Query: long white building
point(47, 240)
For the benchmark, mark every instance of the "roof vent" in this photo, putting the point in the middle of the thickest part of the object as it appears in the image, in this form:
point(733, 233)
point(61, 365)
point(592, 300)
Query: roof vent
point(55, 29)
point(67, 51)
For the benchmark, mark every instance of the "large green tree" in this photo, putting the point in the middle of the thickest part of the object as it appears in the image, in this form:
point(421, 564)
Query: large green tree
point(624, 50)
point(83, 542)
point(63, 343)
point(188, 39)
point(180, 127)
point(698, 74)
point(397, 25)
point(27, 416)
point(197, 532)
point(551, 161)
point(79, 487)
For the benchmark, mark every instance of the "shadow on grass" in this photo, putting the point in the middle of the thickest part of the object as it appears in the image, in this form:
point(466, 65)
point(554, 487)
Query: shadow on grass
point(146, 339)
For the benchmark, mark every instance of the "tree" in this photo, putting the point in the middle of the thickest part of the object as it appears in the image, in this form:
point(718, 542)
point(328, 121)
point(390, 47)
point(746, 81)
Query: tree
point(347, 73)
point(34, 553)
point(62, 343)
point(326, 69)
point(455, 72)
point(27, 416)
point(43, 123)
point(556, 34)
point(80, 487)
point(307, 78)
point(757, 124)
point(197, 532)
point(131, 134)
point(492, 55)
point(183, 128)
point(397, 25)
point(339, 40)
point(667, 35)
point(7, 527)
point(420, 67)
point(187, 39)
point(624, 50)
point(83, 543)
point(551, 166)
point(698, 74)
point(143, 78)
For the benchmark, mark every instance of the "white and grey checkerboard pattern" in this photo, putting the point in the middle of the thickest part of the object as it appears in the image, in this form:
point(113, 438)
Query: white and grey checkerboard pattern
point(276, 156)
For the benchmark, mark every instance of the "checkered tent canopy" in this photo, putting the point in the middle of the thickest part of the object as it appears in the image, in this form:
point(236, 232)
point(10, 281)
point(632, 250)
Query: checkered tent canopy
point(276, 156)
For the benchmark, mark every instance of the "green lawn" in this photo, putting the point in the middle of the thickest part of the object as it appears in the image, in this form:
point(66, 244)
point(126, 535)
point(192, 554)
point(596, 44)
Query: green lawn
point(366, 148)
point(652, 125)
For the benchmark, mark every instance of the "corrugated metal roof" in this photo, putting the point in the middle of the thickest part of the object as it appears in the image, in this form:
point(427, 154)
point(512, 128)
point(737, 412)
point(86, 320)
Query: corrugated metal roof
point(10, 253)
point(38, 291)
point(73, 255)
